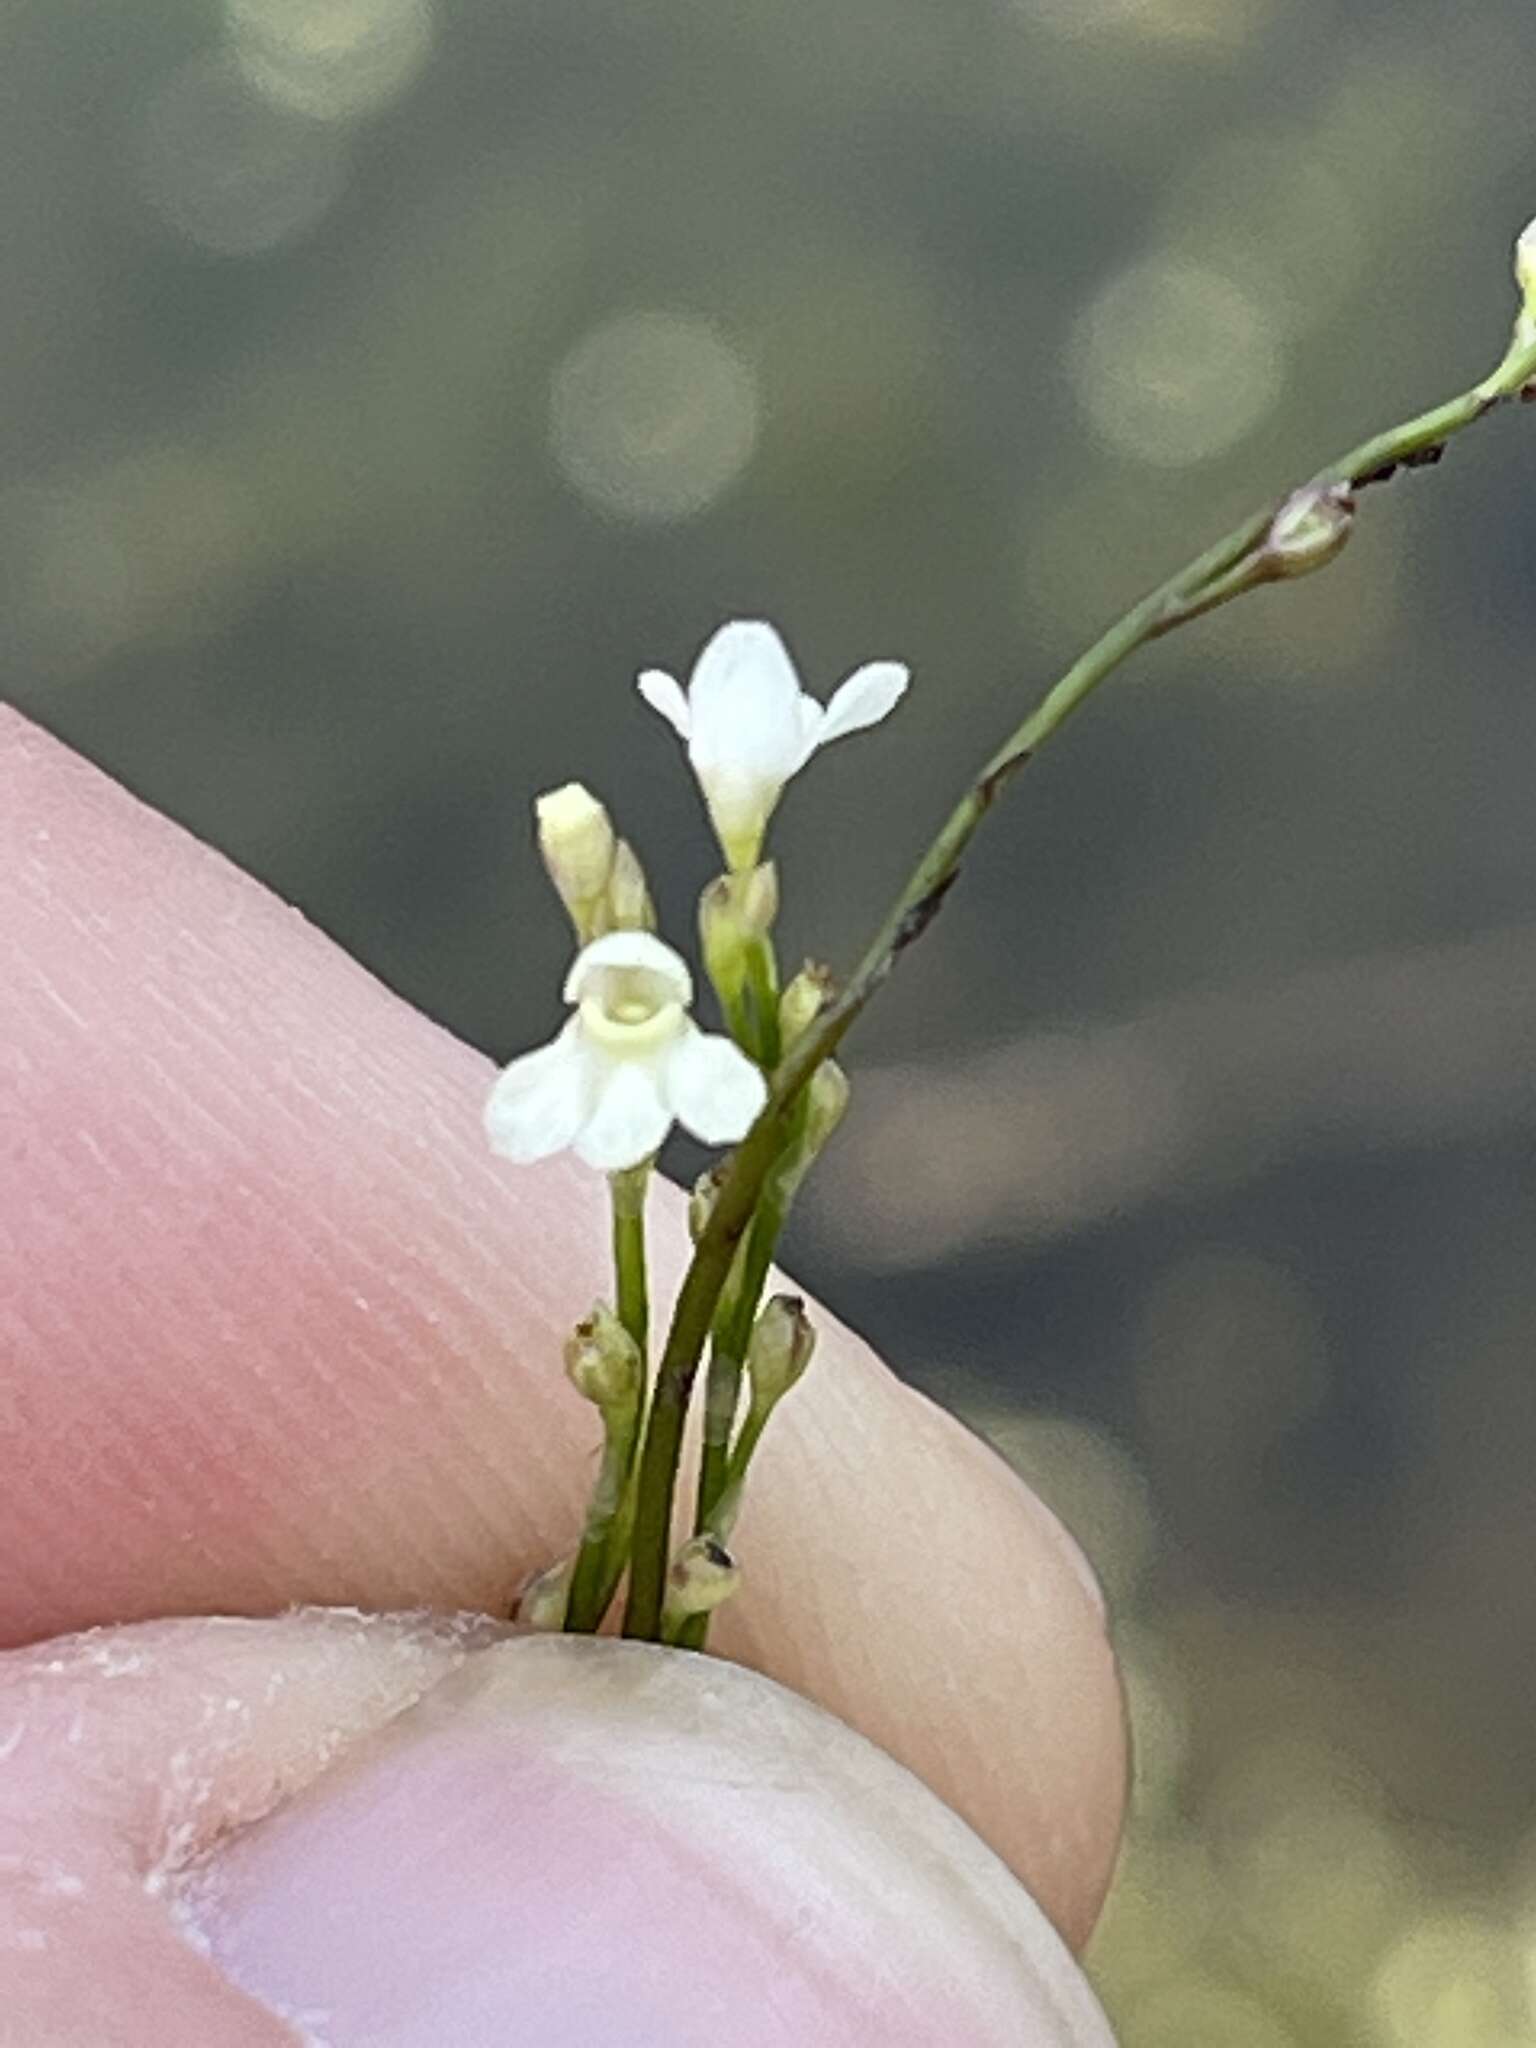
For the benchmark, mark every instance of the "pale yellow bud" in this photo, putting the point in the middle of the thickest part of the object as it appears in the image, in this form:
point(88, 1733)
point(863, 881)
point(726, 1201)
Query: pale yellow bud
point(577, 844)
point(626, 904)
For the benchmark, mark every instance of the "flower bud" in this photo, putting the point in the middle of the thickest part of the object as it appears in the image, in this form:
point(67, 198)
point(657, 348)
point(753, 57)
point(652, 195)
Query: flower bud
point(577, 845)
point(541, 1603)
point(827, 1094)
point(736, 913)
point(1309, 529)
point(626, 904)
point(703, 1574)
point(780, 1350)
point(602, 1361)
point(803, 1002)
point(826, 1103)
point(702, 1199)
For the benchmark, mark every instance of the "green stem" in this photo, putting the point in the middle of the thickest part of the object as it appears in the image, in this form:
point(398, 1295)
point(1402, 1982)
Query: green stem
point(629, 1276)
point(732, 1334)
point(722, 1393)
point(599, 1561)
point(593, 1577)
point(762, 1003)
point(720, 1518)
point(1233, 566)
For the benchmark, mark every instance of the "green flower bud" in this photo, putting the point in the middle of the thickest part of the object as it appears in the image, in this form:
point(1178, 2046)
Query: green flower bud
point(780, 1349)
point(803, 1002)
point(827, 1094)
point(703, 1574)
point(736, 913)
point(602, 1361)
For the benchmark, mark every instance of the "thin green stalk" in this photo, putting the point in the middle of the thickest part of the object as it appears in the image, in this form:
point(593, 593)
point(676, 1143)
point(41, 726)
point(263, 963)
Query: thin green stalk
point(1234, 565)
point(593, 1578)
point(762, 1003)
point(599, 1560)
point(732, 1333)
point(632, 1296)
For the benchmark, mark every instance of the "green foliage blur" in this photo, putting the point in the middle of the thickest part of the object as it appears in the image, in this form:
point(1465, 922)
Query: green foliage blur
point(382, 383)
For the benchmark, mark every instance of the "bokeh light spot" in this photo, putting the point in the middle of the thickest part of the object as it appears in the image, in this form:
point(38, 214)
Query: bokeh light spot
point(1278, 217)
point(228, 171)
point(140, 548)
point(652, 416)
point(332, 59)
point(1174, 363)
point(1451, 1982)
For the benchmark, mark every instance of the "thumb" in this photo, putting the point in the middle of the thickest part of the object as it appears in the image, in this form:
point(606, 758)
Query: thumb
point(395, 1832)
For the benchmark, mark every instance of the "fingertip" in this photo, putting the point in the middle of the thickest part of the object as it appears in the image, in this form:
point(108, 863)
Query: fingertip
point(285, 1331)
point(936, 1589)
point(599, 1843)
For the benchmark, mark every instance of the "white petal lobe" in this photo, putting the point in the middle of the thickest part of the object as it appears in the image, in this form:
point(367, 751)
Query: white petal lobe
point(629, 1121)
point(713, 1088)
point(540, 1101)
point(870, 694)
point(664, 693)
point(630, 949)
point(744, 700)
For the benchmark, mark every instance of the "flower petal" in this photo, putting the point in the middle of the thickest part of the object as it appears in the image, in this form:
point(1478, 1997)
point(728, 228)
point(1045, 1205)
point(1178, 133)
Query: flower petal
point(630, 1118)
point(664, 693)
point(541, 1100)
point(630, 949)
point(869, 695)
point(713, 1087)
point(744, 705)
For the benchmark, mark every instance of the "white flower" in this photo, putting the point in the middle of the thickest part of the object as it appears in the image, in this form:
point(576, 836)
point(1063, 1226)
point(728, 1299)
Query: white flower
point(1525, 259)
point(627, 1065)
point(749, 726)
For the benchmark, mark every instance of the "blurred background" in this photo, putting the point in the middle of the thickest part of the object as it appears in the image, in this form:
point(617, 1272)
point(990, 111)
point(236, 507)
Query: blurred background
point(383, 382)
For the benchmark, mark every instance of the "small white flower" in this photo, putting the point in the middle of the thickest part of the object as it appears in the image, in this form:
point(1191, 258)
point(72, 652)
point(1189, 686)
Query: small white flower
point(1525, 259)
point(749, 726)
point(629, 1064)
point(1525, 277)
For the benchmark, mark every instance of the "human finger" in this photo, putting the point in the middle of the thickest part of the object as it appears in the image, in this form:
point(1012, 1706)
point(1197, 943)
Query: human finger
point(388, 1832)
point(277, 1328)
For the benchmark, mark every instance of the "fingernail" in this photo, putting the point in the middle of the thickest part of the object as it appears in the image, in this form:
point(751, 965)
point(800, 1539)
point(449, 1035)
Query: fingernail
point(581, 1843)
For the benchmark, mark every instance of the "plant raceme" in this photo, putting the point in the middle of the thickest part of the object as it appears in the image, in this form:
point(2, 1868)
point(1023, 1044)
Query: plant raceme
point(631, 1062)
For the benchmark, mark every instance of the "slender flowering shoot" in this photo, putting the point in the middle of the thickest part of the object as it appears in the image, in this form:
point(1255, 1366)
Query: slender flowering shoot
point(631, 1062)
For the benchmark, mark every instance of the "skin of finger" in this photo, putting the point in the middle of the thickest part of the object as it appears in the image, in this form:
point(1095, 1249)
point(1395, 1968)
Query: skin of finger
point(276, 1327)
point(124, 1754)
point(401, 1829)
